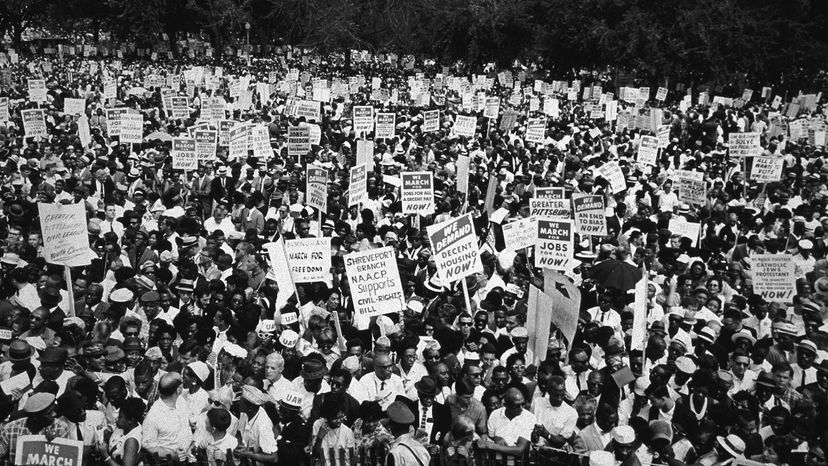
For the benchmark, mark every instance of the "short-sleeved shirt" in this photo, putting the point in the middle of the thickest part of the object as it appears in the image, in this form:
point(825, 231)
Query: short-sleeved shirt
point(16, 428)
point(510, 430)
point(475, 411)
point(258, 433)
point(557, 420)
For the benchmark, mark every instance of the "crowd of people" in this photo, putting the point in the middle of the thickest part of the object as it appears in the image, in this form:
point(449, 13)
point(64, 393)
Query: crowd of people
point(176, 339)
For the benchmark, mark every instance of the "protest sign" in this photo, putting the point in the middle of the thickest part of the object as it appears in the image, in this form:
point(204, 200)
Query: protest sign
point(298, 141)
point(744, 145)
point(648, 150)
point(65, 237)
point(110, 89)
point(680, 226)
point(4, 109)
point(363, 119)
point(385, 126)
point(84, 133)
point(508, 120)
point(538, 323)
point(661, 94)
point(536, 130)
point(550, 203)
point(206, 141)
point(566, 302)
point(224, 128)
point(238, 142)
point(464, 126)
point(183, 153)
point(37, 90)
point(281, 274)
point(589, 215)
point(431, 121)
point(521, 233)
point(639, 328)
point(260, 142)
point(554, 244)
point(463, 173)
point(34, 123)
point(131, 128)
point(309, 109)
point(317, 188)
point(663, 136)
point(611, 171)
point(774, 277)
point(492, 108)
point(691, 187)
point(456, 253)
point(767, 169)
point(376, 286)
point(179, 108)
point(417, 193)
point(358, 185)
point(74, 106)
point(309, 259)
point(37, 450)
point(113, 120)
point(365, 153)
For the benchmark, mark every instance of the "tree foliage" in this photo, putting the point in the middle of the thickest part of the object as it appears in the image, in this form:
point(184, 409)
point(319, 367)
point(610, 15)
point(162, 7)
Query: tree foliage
point(679, 39)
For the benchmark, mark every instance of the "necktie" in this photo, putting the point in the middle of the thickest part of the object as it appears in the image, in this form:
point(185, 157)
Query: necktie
point(578, 381)
point(382, 386)
point(423, 418)
point(802, 384)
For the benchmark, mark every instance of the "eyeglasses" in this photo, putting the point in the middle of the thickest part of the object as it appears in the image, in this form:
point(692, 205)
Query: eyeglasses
point(215, 402)
point(465, 324)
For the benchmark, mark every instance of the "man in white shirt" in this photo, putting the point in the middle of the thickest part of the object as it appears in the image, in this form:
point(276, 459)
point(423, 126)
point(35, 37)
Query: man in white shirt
point(310, 381)
point(109, 224)
point(510, 427)
point(410, 370)
point(556, 419)
point(257, 438)
point(166, 428)
point(279, 386)
point(383, 385)
point(520, 340)
point(220, 221)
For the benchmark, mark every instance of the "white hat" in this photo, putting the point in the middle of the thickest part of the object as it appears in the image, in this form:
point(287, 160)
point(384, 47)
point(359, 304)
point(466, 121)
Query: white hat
point(623, 434)
point(732, 444)
point(266, 326)
point(601, 458)
point(685, 364)
point(234, 350)
point(288, 338)
point(200, 369)
point(289, 318)
point(519, 332)
point(292, 399)
point(121, 295)
point(351, 364)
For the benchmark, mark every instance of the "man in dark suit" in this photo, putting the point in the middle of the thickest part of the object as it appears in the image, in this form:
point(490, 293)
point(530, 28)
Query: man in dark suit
point(431, 419)
point(616, 222)
point(340, 380)
point(221, 188)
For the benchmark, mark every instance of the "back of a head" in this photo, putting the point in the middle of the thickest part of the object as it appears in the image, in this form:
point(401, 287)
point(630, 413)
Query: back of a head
point(169, 383)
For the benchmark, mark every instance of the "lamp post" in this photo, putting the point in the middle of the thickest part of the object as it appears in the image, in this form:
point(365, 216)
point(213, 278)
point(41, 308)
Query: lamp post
point(247, 28)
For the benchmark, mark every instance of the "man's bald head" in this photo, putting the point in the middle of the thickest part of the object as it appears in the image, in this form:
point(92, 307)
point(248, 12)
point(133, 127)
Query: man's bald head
point(514, 396)
point(169, 383)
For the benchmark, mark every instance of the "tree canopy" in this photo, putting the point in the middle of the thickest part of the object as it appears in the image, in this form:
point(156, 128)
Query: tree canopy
point(680, 39)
